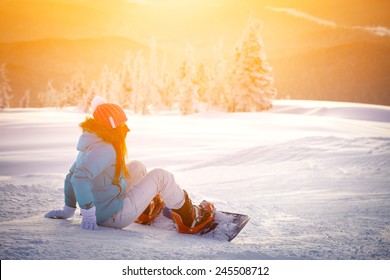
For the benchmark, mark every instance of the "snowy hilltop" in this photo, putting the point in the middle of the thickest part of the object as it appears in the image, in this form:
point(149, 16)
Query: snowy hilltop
point(312, 176)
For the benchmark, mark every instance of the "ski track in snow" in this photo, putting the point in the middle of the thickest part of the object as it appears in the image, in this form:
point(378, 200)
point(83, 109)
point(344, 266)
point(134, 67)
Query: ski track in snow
point(312, 176)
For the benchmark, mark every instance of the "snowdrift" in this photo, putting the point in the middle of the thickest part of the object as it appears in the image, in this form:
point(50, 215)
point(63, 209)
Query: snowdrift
point(313, 177)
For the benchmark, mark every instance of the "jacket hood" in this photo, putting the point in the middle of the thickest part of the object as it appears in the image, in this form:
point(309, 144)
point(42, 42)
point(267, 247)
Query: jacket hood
point(87, 139)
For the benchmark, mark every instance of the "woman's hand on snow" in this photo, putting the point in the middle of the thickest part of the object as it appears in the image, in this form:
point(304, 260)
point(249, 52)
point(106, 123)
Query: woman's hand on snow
point(89, 218)
point(66, 213)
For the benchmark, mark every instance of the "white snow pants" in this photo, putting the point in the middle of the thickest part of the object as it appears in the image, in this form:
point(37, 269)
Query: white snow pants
point(142, 187)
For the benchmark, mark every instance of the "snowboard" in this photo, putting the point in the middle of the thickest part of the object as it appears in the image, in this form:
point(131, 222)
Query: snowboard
point(226, 225)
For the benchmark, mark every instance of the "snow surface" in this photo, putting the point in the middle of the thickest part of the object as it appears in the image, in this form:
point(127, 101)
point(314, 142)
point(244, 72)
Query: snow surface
point(313, 177)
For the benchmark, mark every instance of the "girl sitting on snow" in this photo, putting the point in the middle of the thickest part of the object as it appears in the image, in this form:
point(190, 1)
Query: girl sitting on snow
point(113, 194)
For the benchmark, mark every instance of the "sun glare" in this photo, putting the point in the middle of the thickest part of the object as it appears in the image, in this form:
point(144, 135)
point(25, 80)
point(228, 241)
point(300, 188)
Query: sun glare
point(315, 48)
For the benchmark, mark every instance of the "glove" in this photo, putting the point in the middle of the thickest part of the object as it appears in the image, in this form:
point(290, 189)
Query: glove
point(66, 213)
point(89, 218)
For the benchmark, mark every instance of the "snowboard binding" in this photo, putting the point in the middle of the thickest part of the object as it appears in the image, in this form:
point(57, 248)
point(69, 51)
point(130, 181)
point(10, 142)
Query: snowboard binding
point(190, 218)
point(151, 212)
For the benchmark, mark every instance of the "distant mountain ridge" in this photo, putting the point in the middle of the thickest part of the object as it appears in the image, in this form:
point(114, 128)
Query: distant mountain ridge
point(354, 72)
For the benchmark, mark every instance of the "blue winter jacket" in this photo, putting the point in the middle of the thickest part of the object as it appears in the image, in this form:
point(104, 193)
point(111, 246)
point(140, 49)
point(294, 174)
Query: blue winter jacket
point(90, 178)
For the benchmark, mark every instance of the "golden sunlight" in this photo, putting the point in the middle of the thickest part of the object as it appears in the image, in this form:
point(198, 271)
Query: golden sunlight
point(328, 50)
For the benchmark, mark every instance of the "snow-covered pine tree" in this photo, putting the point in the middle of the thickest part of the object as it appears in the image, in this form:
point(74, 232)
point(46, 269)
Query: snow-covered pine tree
point(126, 81)
point(89, 95)
point(49, 97)
point(5, 88)
point(166, 85)
point(104, 83)
point(152, 96)
point(219, 84)
point(168, 89)
point(25, 100)
point(140, 79)
point(252, 79)
point(134, 82)
point(187, 90)
point(115, 87)
point(202, 81)
point(74, 91)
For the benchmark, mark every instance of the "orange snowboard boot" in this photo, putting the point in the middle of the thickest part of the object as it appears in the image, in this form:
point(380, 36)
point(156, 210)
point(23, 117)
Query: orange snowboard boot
point(190, 218)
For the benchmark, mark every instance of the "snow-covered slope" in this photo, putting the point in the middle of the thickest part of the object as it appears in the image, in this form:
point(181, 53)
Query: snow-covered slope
point(313, 177)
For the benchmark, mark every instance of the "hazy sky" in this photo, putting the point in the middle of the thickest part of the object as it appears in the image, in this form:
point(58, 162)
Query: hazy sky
point(175, 23)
